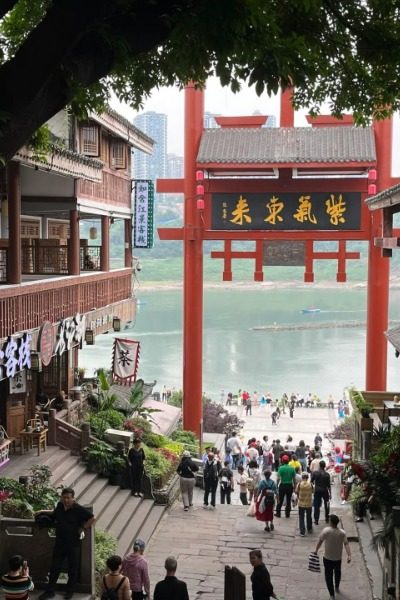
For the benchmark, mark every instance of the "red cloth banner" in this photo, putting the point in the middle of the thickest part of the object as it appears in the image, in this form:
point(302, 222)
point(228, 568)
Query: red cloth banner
point(125, 360)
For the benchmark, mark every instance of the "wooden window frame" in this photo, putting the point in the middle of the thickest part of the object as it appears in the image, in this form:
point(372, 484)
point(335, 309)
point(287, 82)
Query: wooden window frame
point(118, 161)
point(90, 147)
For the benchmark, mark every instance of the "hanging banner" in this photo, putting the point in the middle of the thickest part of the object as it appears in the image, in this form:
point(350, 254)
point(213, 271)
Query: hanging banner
point(18, 383)
point(15, 355)
point(143, 214)
point(125, 360)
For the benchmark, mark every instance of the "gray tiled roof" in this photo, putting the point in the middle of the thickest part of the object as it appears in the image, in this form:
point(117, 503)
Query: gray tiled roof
point(389, 197)
point(287, 145)
point(393, 335)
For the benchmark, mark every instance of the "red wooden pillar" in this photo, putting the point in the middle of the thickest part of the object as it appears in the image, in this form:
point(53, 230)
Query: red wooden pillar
point(14, 265)
point(287, 110)
point(105, 244)
point(378, 271)
point(128, 242)
point(193, 268)
point(74, 243)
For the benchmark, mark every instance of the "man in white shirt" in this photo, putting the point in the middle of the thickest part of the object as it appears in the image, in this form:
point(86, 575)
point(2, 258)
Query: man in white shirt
point(334, 538)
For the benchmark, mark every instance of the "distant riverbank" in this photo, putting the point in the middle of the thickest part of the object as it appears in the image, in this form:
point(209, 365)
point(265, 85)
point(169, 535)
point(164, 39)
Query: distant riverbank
point(323, 325)
point(151, 286)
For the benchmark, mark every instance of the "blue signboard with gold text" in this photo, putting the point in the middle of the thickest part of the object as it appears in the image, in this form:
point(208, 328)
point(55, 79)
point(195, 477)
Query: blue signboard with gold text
point(292, 211)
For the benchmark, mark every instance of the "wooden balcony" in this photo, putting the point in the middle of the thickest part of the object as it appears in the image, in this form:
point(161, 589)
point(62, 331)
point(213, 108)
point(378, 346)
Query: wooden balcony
point(24, 307)
point(114, 189)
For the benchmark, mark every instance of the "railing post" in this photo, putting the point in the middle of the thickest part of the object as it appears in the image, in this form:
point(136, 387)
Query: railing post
point(234, 584)
point(366, 444)
point(52, 433)
point(85, 435)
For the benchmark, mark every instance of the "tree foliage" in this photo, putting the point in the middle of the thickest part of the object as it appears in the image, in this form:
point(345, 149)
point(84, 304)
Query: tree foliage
point(60, 52)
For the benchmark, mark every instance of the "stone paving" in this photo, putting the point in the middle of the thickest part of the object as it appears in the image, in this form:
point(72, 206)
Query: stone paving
point(204, 541)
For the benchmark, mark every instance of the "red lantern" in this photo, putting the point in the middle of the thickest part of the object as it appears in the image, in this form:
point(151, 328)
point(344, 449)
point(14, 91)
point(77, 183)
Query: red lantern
point(200, 190)
point(200, 204)
point(372, 175)
point(199, 175)
point(371, 189)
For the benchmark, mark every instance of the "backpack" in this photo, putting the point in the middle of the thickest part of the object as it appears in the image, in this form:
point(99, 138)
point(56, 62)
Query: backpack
point(112, 592)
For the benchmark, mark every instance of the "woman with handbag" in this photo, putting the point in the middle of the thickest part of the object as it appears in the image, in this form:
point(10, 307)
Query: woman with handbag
point(265, 500)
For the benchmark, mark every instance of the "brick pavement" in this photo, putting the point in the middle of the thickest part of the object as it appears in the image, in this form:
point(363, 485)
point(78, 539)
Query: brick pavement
point(204, 541)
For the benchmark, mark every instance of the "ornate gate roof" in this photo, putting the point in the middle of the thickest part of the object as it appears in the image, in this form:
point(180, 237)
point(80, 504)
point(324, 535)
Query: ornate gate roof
point(289, 146)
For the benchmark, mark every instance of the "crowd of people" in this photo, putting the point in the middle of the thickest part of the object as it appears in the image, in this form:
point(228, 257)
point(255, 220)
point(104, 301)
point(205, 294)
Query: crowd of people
point(272, 477)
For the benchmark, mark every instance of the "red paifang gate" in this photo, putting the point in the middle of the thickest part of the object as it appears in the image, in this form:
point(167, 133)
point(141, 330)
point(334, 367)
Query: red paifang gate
point(295, 185)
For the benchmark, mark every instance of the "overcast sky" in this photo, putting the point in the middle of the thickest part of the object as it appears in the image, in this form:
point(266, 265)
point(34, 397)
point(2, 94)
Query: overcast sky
point(219, 100)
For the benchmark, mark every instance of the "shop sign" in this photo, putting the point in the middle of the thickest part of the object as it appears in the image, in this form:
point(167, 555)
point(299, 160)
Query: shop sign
point(332, 210)
point(15, 355)
point(46, 343)
point(100, 321)
point(144, 209)
point(18, 383)
point(70, 333)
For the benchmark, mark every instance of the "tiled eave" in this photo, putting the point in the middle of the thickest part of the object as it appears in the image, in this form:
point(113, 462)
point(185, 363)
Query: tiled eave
point(284, 146)
point(63, 162)
point(393, 336)
point(385, 199)
point(122, 128)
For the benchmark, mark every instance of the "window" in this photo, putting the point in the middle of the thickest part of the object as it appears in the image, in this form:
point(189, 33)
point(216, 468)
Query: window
point(90, 140)
point(118, 155)
point(105, 149)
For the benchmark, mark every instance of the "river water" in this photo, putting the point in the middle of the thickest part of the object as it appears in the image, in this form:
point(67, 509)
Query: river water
point(321, 361)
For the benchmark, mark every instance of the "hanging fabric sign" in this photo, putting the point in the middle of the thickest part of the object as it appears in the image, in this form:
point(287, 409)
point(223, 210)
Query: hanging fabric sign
point(144, 204)
point(125, 360)
point(18, 383)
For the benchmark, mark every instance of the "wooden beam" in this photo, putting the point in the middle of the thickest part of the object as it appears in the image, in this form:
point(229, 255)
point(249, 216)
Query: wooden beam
point(169, 186)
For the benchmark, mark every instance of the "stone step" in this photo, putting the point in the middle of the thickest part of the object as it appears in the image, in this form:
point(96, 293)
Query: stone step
point(71, 477)
point(56, 458)
point(62, 469)
point(109, 504)
point(131, 508)
point(89, 487)
point(149, 526)
point(133, 525)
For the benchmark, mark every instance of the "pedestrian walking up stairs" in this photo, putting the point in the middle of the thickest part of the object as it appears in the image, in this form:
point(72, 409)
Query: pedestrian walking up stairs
point(117, 512)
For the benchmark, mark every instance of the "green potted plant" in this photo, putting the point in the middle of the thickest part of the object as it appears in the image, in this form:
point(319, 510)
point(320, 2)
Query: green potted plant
point(98, 457)
point(117, 469)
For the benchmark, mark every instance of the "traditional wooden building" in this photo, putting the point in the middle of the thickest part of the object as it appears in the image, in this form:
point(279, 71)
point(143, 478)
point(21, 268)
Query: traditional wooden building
point(58, 285)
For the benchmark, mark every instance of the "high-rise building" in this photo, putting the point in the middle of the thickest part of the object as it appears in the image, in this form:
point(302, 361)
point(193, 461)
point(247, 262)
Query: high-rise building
point(271, 121)
point(151, 167)
point(209, 121)
point(174, 166)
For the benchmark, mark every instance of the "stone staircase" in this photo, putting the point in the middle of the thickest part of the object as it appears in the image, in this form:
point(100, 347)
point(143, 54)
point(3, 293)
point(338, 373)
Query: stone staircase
point(117, 512)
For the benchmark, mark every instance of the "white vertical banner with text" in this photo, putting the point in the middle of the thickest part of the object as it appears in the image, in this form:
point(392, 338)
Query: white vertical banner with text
point(125, 360)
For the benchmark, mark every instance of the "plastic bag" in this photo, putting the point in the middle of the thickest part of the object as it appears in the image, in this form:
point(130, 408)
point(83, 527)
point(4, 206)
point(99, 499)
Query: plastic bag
point(251, 511)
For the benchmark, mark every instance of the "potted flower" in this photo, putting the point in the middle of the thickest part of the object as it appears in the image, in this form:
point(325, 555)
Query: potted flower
point(98, 457)
point(117, 469)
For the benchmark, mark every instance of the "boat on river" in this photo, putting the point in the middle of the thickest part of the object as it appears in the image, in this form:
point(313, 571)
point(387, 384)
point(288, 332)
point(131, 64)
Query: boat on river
point(307, 311)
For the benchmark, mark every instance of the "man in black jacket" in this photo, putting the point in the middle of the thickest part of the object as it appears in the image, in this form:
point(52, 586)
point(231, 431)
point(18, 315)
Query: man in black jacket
point(171, 588)
point(210, 476)
point(322, 491)
point(261, 585)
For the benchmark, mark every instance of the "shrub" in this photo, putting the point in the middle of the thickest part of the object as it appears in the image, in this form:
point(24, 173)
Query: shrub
point(176, 399)
point(105, 545)
point(106, 419)
point(156, 465)
point(137, 424)
point(185, 437)
point(154, 440)
point(216, 419)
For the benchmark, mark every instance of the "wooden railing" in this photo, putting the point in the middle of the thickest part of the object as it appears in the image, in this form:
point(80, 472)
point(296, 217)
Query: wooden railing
point(25, 307)
point(3, 265)
point(114, 189)
point(48, 259)
point(90, 258)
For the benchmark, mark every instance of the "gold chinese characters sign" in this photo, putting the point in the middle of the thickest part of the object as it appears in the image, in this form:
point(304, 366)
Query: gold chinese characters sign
point(290, 211)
